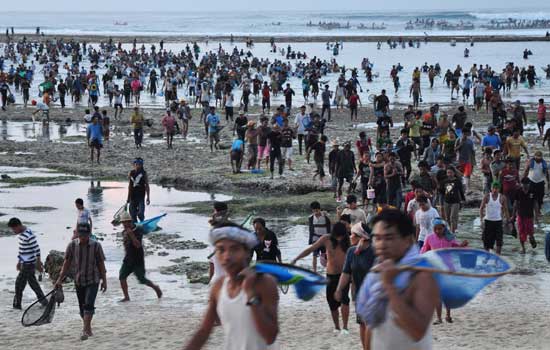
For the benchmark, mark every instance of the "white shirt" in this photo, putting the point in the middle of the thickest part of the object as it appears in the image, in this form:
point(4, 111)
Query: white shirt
point(229, 100)
point(424, 219)
point(298, 121)
point(356, 215)
point(83, 216)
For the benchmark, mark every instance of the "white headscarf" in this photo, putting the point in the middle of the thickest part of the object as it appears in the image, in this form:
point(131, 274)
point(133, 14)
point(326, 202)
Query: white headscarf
point(234, 233)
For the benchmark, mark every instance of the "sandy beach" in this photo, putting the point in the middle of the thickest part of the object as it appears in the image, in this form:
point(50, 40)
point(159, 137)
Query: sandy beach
point(489, 322)
point(44, 167)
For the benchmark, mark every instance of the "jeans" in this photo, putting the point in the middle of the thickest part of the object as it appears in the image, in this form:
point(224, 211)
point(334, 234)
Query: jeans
point(26, 274)
point(86, 298)
point(137, 209)
point(394, 196)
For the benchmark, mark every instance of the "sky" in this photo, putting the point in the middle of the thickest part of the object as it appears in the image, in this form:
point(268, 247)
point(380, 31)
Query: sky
point(239, 5)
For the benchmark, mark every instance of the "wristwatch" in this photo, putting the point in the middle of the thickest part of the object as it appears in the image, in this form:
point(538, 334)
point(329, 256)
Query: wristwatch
point(255, 300)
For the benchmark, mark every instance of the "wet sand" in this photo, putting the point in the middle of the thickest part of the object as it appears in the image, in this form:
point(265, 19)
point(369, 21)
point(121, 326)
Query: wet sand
point(191, 165)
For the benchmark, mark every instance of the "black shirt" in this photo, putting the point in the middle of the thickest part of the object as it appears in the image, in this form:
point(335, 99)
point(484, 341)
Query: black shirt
point(404, 149)
point(454, 192)
point(138, 181)
point(287, 136)
point(275, 138)
point(525, 203)
point(382, 103)
point(318, 151)
point(134, 256)
point(358, 265)
point(268, 248)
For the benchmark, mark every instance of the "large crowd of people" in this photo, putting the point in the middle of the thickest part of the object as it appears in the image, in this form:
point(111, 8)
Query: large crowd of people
point(411, 180)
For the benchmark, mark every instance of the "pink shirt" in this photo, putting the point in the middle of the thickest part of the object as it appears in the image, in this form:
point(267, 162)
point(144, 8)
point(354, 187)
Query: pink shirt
point(433, 242)
point(169, 122)
point(135, 84)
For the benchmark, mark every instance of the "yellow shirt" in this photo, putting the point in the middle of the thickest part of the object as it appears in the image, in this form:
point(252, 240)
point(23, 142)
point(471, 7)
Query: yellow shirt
point(137, 120)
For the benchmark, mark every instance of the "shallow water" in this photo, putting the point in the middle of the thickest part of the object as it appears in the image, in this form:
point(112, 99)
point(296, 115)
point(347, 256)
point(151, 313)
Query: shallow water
point(103, 199)
point(38, 131)
point(496, 54)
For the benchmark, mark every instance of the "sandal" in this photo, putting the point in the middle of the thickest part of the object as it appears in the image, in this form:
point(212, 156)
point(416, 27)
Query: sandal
point(437, 322)
point(449, 319)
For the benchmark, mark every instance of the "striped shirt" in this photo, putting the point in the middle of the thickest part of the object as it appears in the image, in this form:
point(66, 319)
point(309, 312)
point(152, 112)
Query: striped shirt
point(29, 250)
point(85, 259)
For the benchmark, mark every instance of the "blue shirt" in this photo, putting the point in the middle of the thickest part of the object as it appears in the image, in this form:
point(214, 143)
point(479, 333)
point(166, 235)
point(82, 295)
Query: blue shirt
point(237, 145)
point(279, 120)
point(491, 141)
point(213, 122)
point(95, 132)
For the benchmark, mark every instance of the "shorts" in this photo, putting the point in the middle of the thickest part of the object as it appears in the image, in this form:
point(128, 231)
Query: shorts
point(492, 233)
point(479, 100)
point(541, 122)
point(118, 105)
point(331, 288)
point(138, 270)
point(86, 296)
point(537, 188)
point(170, 132)
point(525, 227)
point(466, 168)
point(287, 153)
point(214, 136)
point(236, 155)
point(95, 143)
point(359, 320)
point(263, 152)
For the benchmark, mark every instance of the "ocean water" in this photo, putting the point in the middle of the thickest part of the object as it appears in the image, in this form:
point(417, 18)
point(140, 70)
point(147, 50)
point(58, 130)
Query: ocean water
point(257, 23)
point(496, 54)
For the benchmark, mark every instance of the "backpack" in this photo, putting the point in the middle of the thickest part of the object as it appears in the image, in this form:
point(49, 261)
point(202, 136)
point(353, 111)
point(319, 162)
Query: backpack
point(544, 165)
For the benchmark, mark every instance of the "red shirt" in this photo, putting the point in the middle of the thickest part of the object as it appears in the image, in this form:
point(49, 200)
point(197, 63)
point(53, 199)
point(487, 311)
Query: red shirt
point(409, 197)
point(509, 181)
point(363, 146)
point(265, 92)
point(541, 113)
point(353, 100)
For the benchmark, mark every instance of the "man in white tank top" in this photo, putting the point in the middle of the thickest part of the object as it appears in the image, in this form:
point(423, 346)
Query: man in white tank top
point(245, 303)
point(490, 213)
point(400, 319)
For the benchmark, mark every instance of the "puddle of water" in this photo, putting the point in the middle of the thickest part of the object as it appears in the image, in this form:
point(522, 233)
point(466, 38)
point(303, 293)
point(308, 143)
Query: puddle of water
point(28, 131)
point(103, 199)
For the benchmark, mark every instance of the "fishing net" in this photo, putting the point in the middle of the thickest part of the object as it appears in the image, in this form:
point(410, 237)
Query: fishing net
point(462, 273)
point(42, 311)
point(116, 217)
point(306, 283)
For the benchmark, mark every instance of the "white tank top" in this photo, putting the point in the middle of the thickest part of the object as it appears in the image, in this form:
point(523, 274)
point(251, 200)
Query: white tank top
point(494, 209)
point(388, 336)
point(238, 326)
point(536, 173)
